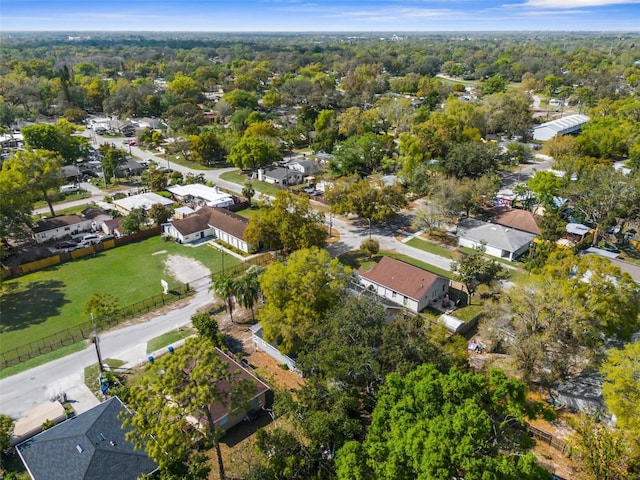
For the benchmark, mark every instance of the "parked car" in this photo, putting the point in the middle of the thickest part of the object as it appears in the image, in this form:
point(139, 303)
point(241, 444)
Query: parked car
point(133, 144)
point(67, 246)
point(90, 239)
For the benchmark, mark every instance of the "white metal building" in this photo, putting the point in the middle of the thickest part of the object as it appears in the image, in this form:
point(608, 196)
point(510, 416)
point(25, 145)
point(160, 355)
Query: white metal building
point(561, 126)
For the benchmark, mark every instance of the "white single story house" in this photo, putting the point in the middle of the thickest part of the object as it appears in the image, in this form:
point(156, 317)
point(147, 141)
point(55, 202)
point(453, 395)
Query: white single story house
point(500, 241)
point(201, 195)
point(404, 284)
point(210, 222)
point(561, 126)
point(280, 176)
point(97, 217)
point(142, 200)
point(306, 167)
point(59, 227)
point(112, 227)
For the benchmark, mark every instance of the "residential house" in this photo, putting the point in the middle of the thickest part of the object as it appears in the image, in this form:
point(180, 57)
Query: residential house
point(306, 167)
point(522, 220)
point(499, 241)
point(210, 222)
point(112, 227)
point(226, 416)
point(59, 227)
point(582, 393)
point(71, 173)
point(197, 194)
point(90, 446)
point(280, 176)
point(97, 217)
point(142, 200)
point(130, 167)
point(404, 284)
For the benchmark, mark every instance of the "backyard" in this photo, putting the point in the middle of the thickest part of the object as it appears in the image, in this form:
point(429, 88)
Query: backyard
point(51, 300)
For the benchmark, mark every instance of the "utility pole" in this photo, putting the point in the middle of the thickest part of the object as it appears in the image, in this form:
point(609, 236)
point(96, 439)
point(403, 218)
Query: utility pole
point(96, 342)
point(369, 220)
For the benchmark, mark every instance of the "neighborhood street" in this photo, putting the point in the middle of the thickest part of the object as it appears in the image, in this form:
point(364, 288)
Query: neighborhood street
point(28, 389)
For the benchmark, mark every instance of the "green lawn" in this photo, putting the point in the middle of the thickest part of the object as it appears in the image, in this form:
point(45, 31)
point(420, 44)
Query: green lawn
point(236, 176)
point(432, 248)
point(48, 301)
point(42, 359)
point(357, 259)
point(168, 338)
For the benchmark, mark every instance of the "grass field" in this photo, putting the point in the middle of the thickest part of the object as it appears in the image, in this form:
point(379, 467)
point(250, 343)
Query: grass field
point(168, 338)
point(433, 248)
point(48, 301)
point(236, 176)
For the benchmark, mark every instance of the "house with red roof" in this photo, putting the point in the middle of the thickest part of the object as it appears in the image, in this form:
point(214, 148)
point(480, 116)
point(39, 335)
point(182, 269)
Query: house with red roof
point(404, 284)
point(210, 222)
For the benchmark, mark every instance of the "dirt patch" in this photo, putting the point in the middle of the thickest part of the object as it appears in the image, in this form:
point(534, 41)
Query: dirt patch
point(186, 270)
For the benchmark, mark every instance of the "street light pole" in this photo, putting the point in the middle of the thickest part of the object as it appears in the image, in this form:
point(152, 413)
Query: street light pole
point(330, 223)
point(369, 220)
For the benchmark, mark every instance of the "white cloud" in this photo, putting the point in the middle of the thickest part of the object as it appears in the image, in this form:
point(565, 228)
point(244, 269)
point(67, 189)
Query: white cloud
point(568, 4)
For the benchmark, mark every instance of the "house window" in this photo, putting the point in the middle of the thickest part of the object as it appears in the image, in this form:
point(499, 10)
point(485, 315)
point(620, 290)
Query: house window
point(224, 420)
point(404, 301)
point(393, 294)
point(66, 229)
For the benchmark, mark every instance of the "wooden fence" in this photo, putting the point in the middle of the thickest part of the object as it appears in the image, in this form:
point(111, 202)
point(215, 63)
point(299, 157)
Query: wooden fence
point(549, 439)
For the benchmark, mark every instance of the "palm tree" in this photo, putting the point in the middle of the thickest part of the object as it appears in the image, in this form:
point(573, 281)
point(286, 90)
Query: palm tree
point(247, 288)
point(248, 191)
point(224, 287)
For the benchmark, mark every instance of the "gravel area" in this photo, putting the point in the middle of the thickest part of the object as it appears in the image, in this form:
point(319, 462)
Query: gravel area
point(187, 270)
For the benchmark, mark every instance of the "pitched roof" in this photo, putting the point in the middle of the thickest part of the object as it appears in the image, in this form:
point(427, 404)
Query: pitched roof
point(89, 446)
point(237, 373)
point(401, 277)
point(496, 236)
point(207, 217)
point(565, 123)
point(57, 222)
point(519, 219)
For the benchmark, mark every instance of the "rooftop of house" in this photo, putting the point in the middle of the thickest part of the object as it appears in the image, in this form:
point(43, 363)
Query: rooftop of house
point(142, 200)
point(89, 446)
point(519, 219)
point(207, 217)
point(401, 277)
point(47, 224)
point(496, 236)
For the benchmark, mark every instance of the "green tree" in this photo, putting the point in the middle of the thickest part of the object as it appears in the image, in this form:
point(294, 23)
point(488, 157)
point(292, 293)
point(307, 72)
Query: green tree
point(495, 84)
point(475, 268)
point(55, 139)
point(112, 158)
point(297, 294)
point(429, 424)
point(224, 287)
point(369, 198)
point(206, 148)
point(248, 191)
point(288, 223)
point(33, 174)
point(207, 327)
point(621, 389)
point(135, 221)
point(370, 246)
point(250, 153)
point(102, 305)
point(471, 159)
point(247, 288)
point(6, 429)
point(545, 185)
point(160, 213)
point(602, 450)
point(165, 404)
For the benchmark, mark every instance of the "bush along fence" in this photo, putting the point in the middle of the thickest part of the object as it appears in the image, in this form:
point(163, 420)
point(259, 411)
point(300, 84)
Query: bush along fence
point(85, 330)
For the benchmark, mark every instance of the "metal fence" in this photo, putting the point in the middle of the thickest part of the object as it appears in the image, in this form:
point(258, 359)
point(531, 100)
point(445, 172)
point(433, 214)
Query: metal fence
point(84, 330)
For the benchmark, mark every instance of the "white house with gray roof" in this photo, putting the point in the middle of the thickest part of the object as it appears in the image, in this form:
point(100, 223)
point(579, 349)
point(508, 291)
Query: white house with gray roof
point(500, 241)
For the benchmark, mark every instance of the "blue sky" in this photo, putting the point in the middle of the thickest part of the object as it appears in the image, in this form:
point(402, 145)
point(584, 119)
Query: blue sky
point(321, 15)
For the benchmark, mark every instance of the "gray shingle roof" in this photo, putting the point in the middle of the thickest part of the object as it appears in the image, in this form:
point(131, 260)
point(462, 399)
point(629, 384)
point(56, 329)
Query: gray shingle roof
point(89, 446)
point(496, 236)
